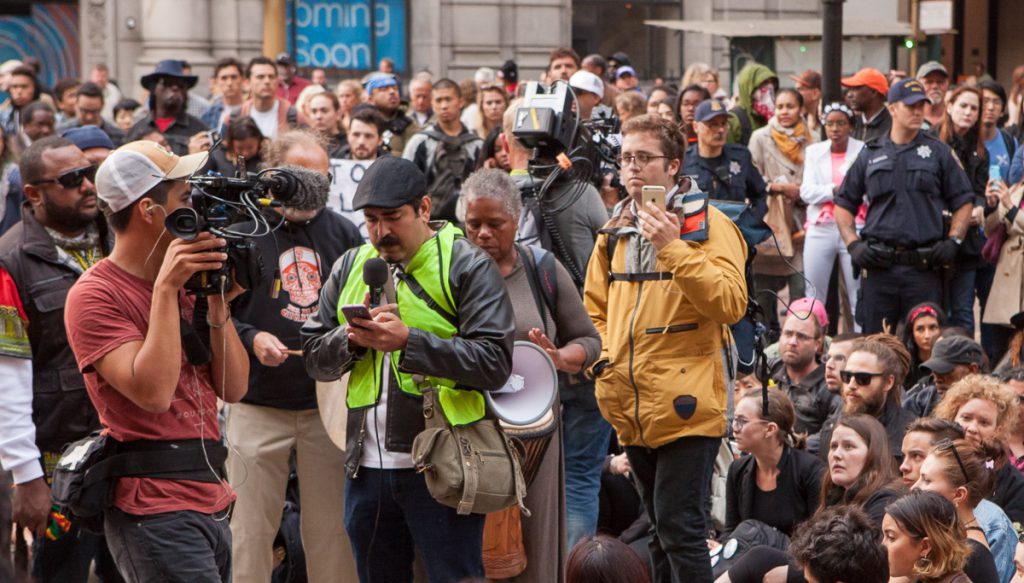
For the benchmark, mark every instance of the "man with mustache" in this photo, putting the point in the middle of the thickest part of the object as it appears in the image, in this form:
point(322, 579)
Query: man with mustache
point(448, 321)
point(61, 234)
point(874, 374)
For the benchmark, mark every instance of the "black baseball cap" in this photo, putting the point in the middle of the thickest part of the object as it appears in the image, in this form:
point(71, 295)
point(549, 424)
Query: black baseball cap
point(709, 109)
point(389, 183)
point(951, 351)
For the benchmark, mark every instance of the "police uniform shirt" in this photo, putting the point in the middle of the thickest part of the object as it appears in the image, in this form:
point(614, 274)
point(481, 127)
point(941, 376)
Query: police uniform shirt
point(906, 188)
point(731, 176)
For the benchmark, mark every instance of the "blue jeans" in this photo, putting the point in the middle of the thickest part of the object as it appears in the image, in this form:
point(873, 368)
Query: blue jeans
point(675, 485)
point(585, 439)
point(389, 514)
point(173, 547)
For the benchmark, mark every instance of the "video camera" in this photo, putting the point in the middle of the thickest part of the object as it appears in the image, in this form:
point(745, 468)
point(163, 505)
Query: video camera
point(218, 202)
point(562, 142)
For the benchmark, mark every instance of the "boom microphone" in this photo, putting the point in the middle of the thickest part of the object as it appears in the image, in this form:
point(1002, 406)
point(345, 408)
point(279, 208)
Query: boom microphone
point(298, 188)
point(375, 275)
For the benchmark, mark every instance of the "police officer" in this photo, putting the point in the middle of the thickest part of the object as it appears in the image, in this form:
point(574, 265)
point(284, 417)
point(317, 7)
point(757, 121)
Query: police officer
point(724, 171)
point(727, 174)
point(908, 179)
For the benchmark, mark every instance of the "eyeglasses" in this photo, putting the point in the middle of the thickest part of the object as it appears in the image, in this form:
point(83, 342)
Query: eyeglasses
point(944, 444)
point(799, 336)
point(73, 178)
point(738, 423)
point(862, 378)
point(642, 159)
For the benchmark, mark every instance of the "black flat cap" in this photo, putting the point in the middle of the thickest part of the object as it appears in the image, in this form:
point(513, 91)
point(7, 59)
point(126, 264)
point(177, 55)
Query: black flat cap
point(389, 183)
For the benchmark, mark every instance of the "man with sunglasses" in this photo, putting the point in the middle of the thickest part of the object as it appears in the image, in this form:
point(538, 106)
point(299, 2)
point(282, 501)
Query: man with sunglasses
point(168, 89)
point(871, 384)
point(45, 403)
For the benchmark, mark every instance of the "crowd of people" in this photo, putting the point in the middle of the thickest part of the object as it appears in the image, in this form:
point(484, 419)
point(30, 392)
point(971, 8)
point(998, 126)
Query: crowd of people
point(802, 364)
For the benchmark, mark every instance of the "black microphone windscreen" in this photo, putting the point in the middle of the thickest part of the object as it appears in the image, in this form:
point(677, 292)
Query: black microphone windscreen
point(375, 273)
point(311, 192)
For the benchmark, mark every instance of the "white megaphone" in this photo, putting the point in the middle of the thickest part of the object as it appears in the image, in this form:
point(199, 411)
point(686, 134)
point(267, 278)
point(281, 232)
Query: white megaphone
point(531, 389)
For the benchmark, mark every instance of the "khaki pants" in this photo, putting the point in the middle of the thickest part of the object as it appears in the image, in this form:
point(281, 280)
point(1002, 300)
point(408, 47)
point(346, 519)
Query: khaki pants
point(262, 439)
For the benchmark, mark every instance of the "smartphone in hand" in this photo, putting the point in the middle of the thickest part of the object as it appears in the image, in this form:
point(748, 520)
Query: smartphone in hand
point(352, 311)
point(654, 194)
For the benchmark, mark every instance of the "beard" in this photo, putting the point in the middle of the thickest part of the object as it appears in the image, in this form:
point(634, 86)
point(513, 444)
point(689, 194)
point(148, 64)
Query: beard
point(868, 405)
point(68, 219)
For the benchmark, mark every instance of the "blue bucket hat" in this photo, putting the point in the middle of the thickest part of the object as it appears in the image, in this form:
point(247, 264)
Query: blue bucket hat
point(168, 68)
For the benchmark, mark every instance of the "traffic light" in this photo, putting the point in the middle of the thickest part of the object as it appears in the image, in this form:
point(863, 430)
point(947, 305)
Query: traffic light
point(909, 43)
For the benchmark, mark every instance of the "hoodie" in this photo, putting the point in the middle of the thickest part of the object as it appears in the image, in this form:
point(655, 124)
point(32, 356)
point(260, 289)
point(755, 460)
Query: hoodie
point(302, 255)
point(749, 79)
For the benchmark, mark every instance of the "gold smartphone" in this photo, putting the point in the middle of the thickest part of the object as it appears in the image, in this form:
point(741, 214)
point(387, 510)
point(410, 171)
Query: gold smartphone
point(655, 194)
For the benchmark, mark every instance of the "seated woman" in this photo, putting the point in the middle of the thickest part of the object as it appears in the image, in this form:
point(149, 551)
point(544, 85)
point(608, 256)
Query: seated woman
point(956, 470)
point(490, 207)
point(861, 472)
point(919, 334)
point(925, 540)
point(778, 484)
point(987, 410)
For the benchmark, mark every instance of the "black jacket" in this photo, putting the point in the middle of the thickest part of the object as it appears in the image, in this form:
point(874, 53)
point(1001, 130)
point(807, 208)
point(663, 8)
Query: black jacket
point(880, 126)
point(922, 400)
point(479, 357)
point(61, 409)
point(303, 254)
point(813, 402)
point(178, 133)
point(894, 418)
point(799, 472)
point(1009, 494)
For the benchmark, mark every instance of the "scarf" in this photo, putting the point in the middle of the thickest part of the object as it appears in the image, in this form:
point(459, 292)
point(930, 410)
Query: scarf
point(790, 141)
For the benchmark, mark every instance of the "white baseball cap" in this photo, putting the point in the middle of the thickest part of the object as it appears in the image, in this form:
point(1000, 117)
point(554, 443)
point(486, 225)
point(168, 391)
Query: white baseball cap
point(135, 168)
point(587, 81)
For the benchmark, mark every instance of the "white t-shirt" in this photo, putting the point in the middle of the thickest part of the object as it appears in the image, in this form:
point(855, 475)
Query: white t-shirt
point(375, 452)
point(267, 120)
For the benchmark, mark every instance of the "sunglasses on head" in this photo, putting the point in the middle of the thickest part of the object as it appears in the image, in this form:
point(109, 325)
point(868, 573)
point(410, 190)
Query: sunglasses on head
point(73, 178)
point(944, 444)
point(862, 378)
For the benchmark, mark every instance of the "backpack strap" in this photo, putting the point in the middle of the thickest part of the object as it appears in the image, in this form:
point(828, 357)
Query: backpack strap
point(613, 242)
point(746, 128)
point(541, 274)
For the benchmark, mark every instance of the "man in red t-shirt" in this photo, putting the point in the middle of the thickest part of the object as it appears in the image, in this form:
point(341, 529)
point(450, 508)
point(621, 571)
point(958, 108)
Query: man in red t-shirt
point(145, 389)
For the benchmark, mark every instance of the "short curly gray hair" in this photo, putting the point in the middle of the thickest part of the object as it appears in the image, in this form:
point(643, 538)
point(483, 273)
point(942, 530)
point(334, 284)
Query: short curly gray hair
point(490, 183)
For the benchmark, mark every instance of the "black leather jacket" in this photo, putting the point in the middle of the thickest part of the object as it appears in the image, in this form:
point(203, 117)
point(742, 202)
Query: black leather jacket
point(479, 357)
point(61, 409)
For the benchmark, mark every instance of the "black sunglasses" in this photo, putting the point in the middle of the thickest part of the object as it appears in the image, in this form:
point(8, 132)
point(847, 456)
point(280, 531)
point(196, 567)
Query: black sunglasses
point(862, 378)
point(73, 178)
point(944, 444)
